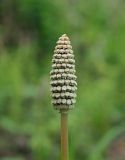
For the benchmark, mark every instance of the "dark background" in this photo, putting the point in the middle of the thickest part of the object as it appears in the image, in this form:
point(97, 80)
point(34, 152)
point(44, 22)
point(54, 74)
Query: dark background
point(29, 126)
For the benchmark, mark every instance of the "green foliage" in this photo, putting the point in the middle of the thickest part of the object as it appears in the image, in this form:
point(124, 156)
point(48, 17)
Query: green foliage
point(29, 30)
point(98, 153)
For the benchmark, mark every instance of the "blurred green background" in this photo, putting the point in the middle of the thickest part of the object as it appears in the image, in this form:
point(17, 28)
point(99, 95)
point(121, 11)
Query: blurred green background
point(29, 127)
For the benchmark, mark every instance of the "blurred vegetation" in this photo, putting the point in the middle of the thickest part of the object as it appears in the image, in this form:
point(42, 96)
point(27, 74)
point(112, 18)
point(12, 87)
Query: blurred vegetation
point(29, 29)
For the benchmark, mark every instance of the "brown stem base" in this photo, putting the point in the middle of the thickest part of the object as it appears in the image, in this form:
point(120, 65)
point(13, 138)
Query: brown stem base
point(64, 135)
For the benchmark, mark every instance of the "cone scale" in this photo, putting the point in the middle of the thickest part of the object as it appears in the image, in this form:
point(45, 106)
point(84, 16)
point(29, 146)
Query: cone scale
point(63, 86)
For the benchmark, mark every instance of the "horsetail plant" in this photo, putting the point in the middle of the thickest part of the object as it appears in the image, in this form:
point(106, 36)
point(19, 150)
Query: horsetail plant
point(63, 86)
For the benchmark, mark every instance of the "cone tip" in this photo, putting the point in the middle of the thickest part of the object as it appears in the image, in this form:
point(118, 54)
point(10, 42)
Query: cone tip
point(64, 35)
